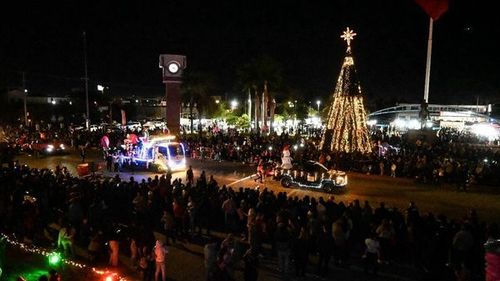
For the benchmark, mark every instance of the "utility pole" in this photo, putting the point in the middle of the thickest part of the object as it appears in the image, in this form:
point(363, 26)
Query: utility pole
point(86, 78)
point(25, 92)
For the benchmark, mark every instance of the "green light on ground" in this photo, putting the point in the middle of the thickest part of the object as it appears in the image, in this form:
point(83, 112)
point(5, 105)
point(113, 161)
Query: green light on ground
point(31, 275)
point(54, 258)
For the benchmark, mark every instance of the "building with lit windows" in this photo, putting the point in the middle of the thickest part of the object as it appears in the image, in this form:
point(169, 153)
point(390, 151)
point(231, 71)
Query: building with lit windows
point(405, 116)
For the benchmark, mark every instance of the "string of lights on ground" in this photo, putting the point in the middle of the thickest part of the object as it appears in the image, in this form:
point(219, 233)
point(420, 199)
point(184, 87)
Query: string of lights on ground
point(55, 259)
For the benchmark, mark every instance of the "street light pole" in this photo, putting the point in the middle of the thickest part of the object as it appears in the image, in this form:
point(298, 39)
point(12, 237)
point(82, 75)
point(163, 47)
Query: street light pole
point(25, 92)
point(86, 78)
point(318, 102)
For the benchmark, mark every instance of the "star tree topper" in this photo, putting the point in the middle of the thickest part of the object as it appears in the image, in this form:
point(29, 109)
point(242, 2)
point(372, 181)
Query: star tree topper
point(348, 35)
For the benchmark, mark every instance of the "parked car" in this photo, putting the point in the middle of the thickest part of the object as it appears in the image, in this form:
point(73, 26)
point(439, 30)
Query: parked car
point(45, 147)
point(155, 124)
point(313, 175)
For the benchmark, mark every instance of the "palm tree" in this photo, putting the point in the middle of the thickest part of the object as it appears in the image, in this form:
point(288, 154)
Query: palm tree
point(196, 89)
point(252, 76)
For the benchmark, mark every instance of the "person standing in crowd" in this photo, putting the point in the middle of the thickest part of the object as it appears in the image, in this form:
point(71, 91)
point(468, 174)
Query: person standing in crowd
point(229, 209)
point(160, 252)
point(94, 247)
point(83, 152)
point(146, 265)
point(134, 251)
point(340, 234)
point(255, 230)
point(386, 234)
point(381, 166)
point(210, 259)
point(114, 248)
point(462, 248)
point(301, 253)
point(372, 253)
point(192, 211)
point(65, 239)
point(179, 210)
point(393, 169)
point(325, 247)
point(260, 172)
point(282, 240)
point(116, 162)
point(168, 225)
point(109, 162)
point(189, 176)
point(203, 178)
point(225, 259)
point(202, 153)
point(250, 272)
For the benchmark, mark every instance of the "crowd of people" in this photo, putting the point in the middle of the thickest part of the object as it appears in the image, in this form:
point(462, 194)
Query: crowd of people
point(110, 216)
point(451, 156)
point(444, 159)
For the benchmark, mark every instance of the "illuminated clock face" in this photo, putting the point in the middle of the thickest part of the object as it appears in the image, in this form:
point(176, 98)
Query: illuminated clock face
point(173, 67)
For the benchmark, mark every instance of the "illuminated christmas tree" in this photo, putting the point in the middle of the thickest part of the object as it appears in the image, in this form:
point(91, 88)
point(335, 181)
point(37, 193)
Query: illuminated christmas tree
point(346, 129)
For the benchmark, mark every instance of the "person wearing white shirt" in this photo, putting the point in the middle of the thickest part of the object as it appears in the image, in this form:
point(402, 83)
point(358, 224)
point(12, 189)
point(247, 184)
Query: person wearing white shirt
point(372, 252)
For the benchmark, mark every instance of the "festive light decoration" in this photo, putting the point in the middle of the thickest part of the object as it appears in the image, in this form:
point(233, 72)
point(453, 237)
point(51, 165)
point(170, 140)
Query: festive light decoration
point(54, 256)
point(346, 129)
point(348, 36)
point(54, 259)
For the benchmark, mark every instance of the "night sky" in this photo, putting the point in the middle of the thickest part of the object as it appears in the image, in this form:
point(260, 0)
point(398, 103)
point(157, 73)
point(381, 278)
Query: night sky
point(125, 38)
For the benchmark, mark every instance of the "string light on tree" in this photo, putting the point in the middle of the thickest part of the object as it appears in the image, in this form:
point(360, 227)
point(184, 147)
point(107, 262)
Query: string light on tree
point(346, 129)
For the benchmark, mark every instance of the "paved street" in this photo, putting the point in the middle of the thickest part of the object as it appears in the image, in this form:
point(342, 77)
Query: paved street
point(396, 192)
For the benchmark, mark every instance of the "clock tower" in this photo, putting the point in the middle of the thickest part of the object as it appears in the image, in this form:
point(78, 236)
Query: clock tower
point(172, 67)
